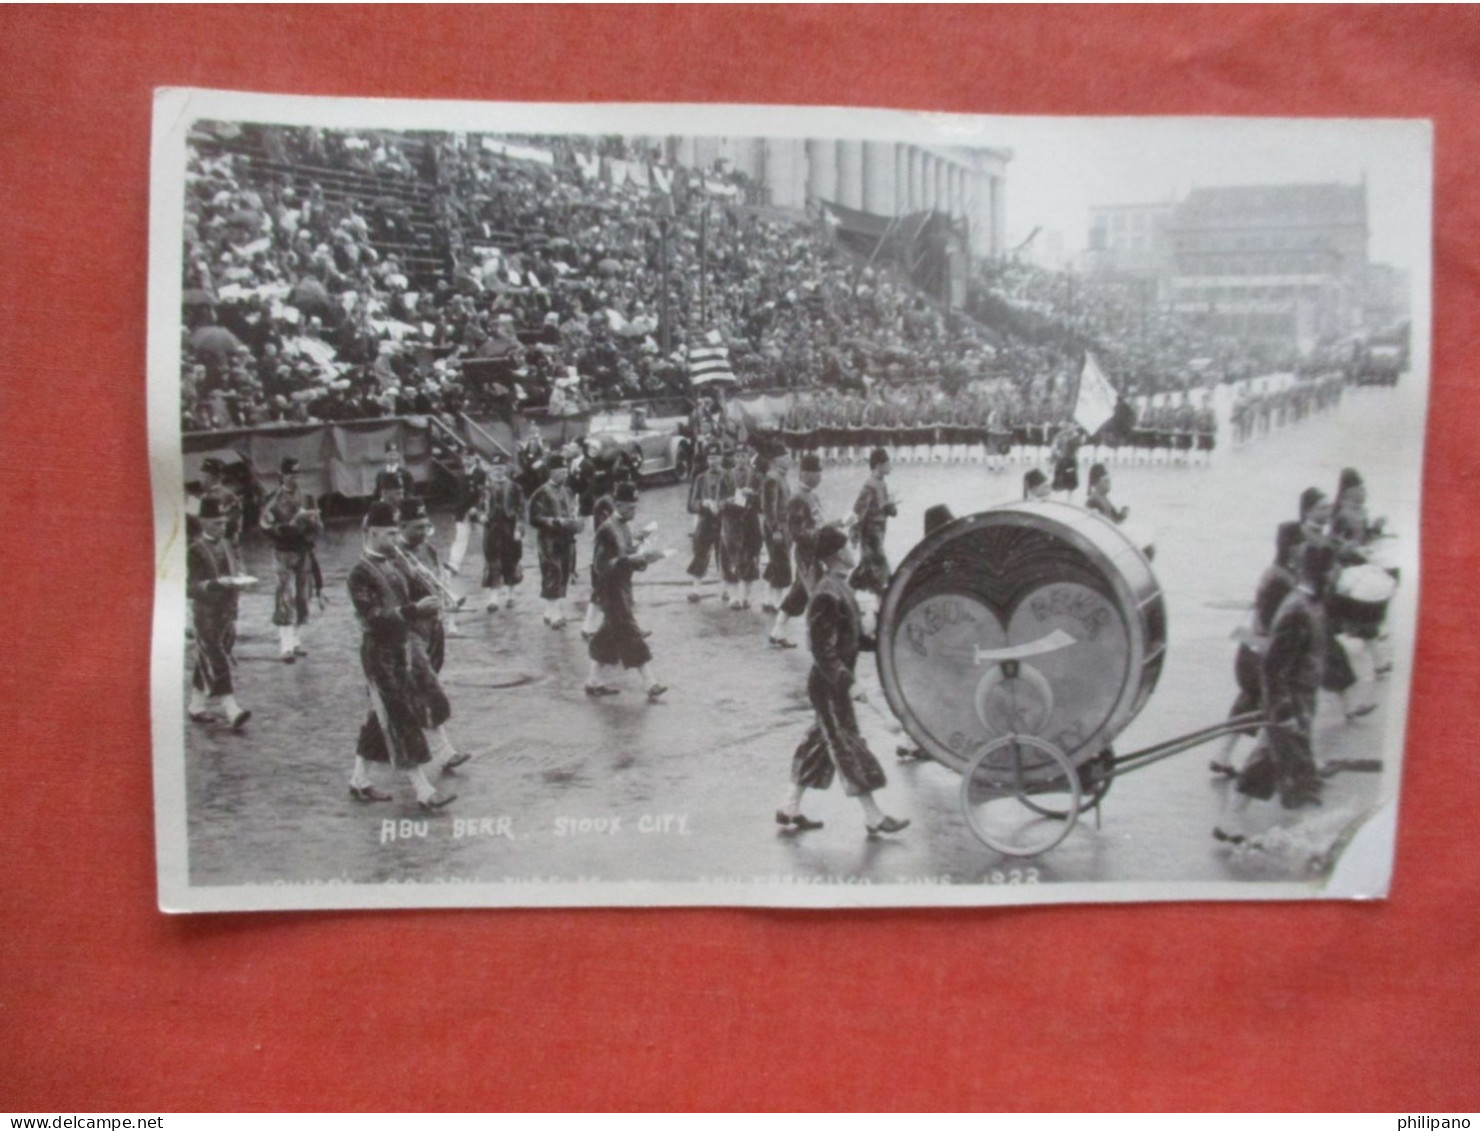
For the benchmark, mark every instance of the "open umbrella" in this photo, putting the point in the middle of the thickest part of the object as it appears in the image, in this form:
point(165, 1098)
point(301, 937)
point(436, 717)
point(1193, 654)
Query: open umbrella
point(197, 297)
point(609, 267)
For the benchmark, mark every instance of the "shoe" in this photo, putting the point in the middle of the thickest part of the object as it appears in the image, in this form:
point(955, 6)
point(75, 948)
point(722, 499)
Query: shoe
point(695, 598)
point(1384, 669)
point(558, 622)
point(367, 793)
point(594, 691)
point(803, 823)
point(1360, 712)
point(491, 607)
point(201, 716)
point(888, 825)
point(299, 650)
point(240, 720)
point(1234, 839)
point(455, 761)
point(767, 607)
point(910, 754)
point(654, 691)
point(453, 630)
point(745, 604)
point(1222, 770)
point(780, 642)
point(509, 604)
point(436, 803)
point(288, 657)
point(736, 606)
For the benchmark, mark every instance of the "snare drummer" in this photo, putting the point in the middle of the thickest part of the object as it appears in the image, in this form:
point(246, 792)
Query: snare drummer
point(291, 520)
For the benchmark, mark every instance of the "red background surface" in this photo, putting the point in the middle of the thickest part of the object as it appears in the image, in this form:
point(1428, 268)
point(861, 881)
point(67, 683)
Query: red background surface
point(107, 1004)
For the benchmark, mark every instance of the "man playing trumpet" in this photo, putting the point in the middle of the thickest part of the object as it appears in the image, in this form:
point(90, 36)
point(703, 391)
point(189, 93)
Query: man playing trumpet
point(291, 520)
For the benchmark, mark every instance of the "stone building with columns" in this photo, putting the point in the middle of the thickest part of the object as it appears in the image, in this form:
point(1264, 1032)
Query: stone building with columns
point(884, 178)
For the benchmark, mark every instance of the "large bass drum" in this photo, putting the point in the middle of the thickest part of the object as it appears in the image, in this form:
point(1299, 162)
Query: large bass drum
point(1031, 619)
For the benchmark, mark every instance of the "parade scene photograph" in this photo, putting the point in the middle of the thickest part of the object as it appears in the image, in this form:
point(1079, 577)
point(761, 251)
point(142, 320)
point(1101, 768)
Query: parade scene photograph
point(580, 505)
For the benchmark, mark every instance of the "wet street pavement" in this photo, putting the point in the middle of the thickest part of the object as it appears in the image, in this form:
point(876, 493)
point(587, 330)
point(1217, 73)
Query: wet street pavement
point(563, 788)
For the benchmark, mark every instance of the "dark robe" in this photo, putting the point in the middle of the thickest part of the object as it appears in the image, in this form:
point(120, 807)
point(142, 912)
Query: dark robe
point(704, 501)
point(1292, 671)
point(834, 744)
point(384, 606)
point(616, 558)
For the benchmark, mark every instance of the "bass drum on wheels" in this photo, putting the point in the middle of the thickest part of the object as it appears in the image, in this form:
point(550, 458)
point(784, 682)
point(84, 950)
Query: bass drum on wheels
point(1032, 619)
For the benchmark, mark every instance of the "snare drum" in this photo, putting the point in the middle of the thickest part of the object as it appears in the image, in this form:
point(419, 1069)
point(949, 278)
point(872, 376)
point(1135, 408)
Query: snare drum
point(1359, 602)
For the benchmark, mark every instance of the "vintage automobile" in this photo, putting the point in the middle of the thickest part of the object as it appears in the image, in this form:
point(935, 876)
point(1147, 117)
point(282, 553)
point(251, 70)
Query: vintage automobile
point(658, 446)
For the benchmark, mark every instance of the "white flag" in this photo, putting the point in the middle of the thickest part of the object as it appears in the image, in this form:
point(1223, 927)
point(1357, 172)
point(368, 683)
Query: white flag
point(1096, 401)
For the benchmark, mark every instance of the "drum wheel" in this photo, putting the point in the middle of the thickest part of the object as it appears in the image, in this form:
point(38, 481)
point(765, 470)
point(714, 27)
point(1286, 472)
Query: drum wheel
point(1021, 795)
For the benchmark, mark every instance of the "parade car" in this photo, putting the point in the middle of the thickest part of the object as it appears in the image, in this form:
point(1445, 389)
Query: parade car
point(657, 445)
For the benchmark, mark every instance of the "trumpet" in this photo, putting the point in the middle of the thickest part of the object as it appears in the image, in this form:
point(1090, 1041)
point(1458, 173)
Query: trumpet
point(450, 601)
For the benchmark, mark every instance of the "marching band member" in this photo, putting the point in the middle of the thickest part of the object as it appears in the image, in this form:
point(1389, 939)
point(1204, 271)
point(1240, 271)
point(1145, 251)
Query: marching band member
point(602, 508)
point(503, 535)
point(740, 527)
point(393, 478)
point(291, 521)
point(873, 510)
point(472, 487)
point(212, 487)
point(211, 582)
point(1291, 676)
point(704, 504)
point(619, 640)
point(393, 730)
point(1277, 582)
point(804, 518)
point(835, 745)
point(552, 512)
point(775, 496)
point(428, 639)
point(1065, 455)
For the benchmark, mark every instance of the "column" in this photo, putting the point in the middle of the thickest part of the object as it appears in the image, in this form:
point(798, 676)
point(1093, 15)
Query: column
point(878, 178)
point(850, 174)
point(917, 180)
point(822, 169)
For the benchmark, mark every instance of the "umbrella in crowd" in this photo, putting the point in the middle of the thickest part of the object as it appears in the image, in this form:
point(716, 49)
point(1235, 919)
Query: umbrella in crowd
point(309, 296)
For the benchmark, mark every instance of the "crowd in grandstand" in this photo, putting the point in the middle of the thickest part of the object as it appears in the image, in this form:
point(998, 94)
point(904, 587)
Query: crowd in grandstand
point(333, 275)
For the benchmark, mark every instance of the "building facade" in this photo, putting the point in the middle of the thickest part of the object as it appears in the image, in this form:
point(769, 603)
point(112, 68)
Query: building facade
point(1283, 264)
point(886, 178)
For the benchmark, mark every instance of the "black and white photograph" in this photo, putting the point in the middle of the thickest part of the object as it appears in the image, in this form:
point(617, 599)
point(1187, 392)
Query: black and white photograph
point(623, 504)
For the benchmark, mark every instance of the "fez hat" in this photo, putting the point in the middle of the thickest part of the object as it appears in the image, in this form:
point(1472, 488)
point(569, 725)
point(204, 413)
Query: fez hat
point(936, 517)
point(212, 465)
point(876, 457)
point(391, 446)
point(811, 462)
point(413, 510)
point(1349, 478)
point(1034, 477)
point(554, 461)
point(210, 507)
point(289, 466)
point(1310, 498)
point(1097, 472)
point(626, 492)
point(829, 541)
point(381, 514)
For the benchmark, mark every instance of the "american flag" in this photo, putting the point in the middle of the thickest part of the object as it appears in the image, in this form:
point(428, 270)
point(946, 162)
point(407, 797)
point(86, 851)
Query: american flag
point(709, 359)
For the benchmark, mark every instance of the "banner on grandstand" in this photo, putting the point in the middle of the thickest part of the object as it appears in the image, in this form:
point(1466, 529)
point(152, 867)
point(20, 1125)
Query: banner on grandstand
point(1095, 402)
point(709, 360)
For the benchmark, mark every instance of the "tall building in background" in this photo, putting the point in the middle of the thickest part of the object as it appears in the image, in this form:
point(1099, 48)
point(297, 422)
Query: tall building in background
point(1284, 265)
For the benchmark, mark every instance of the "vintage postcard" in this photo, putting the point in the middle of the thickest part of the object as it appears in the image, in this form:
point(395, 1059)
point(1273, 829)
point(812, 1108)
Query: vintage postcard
point(574, 505)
